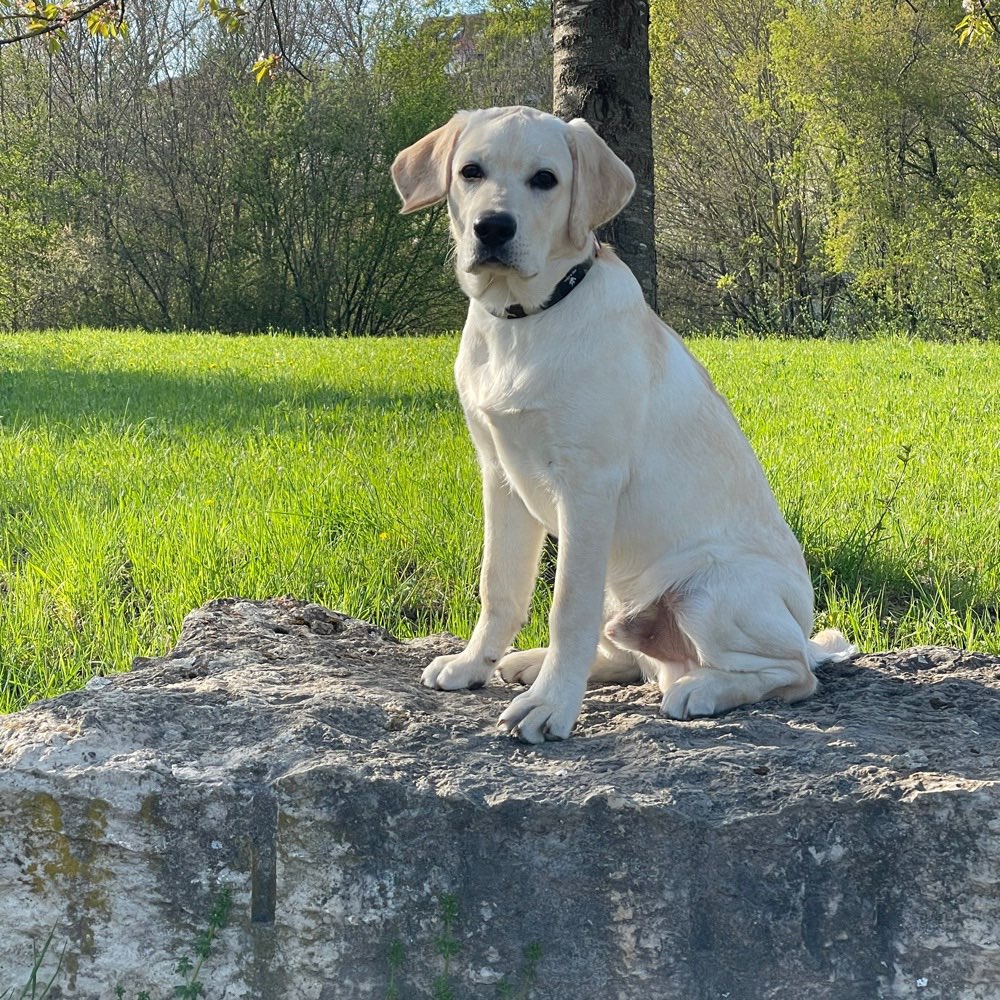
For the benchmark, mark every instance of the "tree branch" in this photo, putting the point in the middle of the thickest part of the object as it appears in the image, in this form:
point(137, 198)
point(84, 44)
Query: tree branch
point(276, 20)
point(65, 18)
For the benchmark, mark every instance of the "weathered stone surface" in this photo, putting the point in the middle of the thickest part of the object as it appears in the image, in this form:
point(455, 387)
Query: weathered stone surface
point(844, 848)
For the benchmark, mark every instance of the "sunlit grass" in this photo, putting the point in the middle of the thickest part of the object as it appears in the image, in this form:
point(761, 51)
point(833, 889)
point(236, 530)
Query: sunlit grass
point(141, 475)
point(885, 456)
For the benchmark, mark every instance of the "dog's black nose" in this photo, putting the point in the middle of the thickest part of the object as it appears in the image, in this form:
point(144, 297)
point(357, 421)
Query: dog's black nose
point(495, 228)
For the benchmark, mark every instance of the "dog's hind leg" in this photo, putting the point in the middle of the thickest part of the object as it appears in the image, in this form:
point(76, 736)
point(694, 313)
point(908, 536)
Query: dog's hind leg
point(656, 639)
point(614, 666)
point(751, 677)
point(750, 646)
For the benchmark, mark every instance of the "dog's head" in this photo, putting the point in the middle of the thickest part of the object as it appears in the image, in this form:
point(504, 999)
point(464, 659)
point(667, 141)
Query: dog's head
point(525, 192)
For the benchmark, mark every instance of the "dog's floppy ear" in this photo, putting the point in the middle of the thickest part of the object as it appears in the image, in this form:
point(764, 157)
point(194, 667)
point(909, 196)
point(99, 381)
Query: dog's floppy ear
point(602, 183)
point(422, 172)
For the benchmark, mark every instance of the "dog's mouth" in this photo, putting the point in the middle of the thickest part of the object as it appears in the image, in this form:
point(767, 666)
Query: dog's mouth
point(487, 261)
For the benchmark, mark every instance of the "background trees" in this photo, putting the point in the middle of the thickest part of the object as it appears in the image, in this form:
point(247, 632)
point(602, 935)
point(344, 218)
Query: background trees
point(818, 167)
point(901, 125)
point(157, 184)
point(826, 166)
point(736, 231)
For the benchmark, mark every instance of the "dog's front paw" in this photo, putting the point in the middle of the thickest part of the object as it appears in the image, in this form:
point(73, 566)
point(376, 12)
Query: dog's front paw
point(457, 671)
point(536, 716)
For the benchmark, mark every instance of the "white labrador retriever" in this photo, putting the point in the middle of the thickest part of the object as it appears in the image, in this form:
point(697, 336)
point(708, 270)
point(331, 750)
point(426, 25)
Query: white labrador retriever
point(593, 422)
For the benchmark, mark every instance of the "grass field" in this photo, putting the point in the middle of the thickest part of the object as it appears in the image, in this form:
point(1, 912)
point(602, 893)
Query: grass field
point(141, 475)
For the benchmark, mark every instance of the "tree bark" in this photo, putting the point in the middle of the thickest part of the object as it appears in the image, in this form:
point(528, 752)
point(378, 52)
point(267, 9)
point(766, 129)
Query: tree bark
point(601, 73)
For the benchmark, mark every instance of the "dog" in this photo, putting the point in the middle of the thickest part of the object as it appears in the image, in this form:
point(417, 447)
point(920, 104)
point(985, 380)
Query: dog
point(593, 422)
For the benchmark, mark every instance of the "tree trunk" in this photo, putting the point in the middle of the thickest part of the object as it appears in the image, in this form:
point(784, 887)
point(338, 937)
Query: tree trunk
point(601, 73)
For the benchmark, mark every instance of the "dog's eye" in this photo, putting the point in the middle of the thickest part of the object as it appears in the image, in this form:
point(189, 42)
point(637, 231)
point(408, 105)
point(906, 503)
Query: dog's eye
point(472, 172)
point(544, 180)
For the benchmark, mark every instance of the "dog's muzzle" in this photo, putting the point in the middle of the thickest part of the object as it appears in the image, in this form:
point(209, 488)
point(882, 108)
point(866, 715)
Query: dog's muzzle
point(494, 232)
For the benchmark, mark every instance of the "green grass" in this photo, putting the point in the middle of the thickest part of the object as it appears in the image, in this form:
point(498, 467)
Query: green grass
point(143, 474)
point(885, 456)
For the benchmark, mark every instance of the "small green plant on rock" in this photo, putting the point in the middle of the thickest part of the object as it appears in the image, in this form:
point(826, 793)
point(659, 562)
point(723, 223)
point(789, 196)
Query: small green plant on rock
point(518, 990)
point(33, 989)
point(396, 957)
point(190, 968)
point(446, 945)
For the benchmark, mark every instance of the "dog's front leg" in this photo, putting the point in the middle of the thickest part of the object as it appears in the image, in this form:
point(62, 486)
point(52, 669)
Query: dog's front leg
point(512, 545)
point(549, 708)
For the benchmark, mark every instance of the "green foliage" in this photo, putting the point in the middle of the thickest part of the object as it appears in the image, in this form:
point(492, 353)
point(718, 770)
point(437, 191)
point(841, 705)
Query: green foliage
point(518, 19)
point(526, 978)
point(50, 22)
point(229, 17)
point(397, 959)
point(24, 231)
point(864, 538)
point(316, 157)
point(189, 970)
point(897, 126)
point(208, 202)
point(509, 60)
point(979, 26)
point(826, 166)
point(820, 166)
point(884, 474)
point(266, 67)
point(734, 199)
point(191, 988)
point(148, 474)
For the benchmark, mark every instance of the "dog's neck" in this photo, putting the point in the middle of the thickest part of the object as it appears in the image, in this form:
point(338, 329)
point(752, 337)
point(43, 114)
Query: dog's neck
point(507, 296)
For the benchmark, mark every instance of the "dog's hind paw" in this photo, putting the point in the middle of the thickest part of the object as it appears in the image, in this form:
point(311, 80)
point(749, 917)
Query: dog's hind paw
point(522, 666)
point(456, 671)
point(710, 692)
point(696, 695)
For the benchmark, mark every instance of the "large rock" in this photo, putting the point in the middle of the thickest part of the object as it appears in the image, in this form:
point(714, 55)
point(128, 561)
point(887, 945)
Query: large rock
point(375, 836)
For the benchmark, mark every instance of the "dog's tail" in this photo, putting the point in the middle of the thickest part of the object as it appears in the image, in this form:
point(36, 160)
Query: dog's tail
point(829, 645)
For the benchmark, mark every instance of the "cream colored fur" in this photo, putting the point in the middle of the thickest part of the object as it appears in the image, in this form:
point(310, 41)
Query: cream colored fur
point(593, 422)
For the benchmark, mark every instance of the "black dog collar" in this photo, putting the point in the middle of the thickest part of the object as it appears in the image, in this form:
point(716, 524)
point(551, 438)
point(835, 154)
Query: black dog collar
point(570, 280)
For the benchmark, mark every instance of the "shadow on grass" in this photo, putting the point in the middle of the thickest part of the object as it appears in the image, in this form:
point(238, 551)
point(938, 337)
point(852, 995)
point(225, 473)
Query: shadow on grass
point(889, 602)
point(36, 397)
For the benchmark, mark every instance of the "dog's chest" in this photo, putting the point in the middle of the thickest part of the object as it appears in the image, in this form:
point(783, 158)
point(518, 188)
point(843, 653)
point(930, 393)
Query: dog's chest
point(512, 413)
